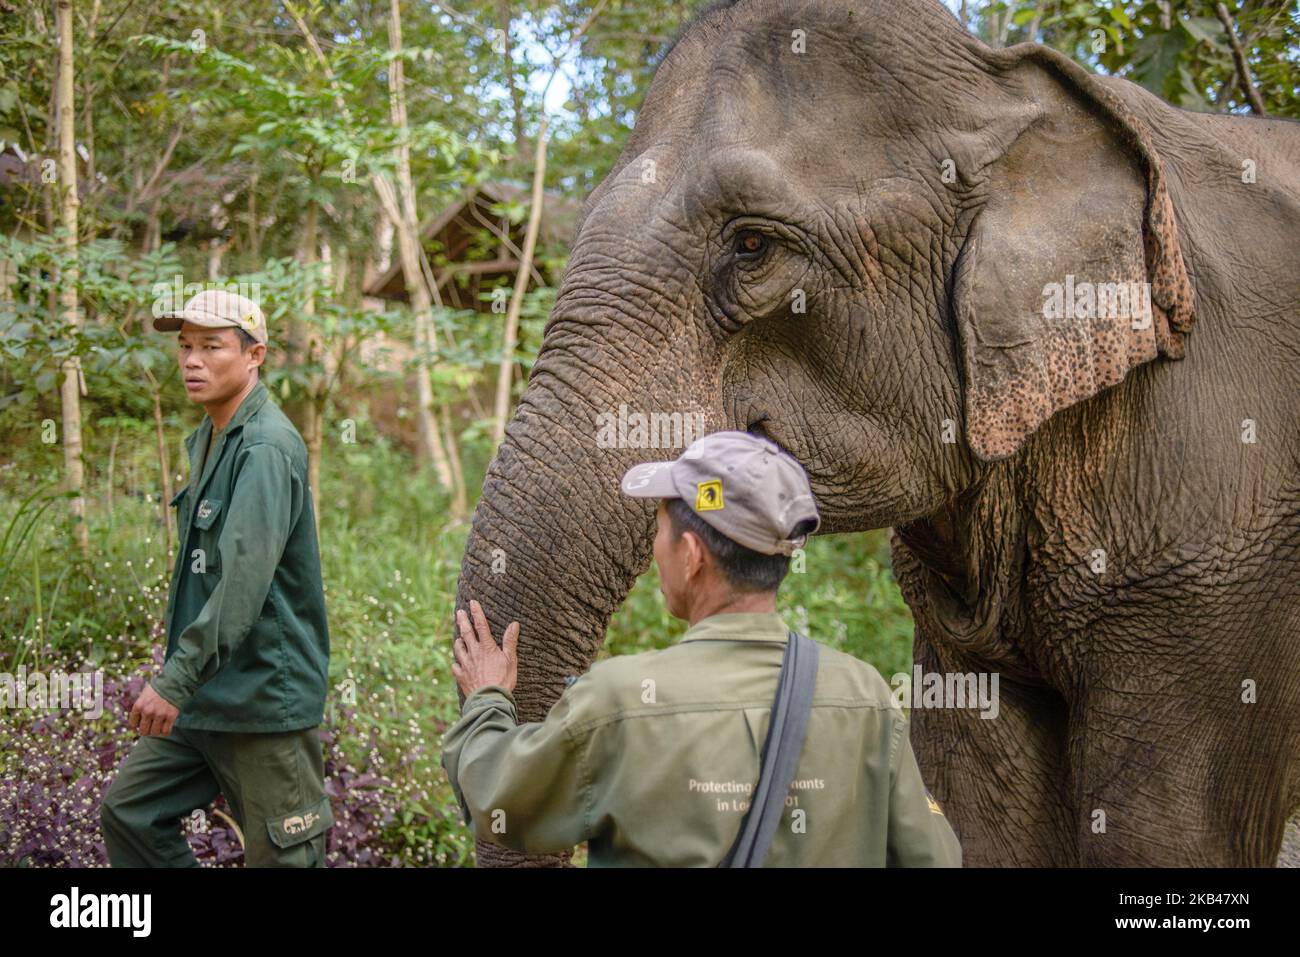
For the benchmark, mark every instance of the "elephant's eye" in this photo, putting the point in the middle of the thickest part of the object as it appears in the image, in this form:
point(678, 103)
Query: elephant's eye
point(750, 245)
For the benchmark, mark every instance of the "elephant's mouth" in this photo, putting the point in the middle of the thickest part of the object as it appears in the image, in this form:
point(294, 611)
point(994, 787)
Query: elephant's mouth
point(761, 427)
point(758, 427)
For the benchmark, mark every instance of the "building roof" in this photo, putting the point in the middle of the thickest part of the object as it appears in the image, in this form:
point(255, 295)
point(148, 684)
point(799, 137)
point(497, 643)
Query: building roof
point(455, 225)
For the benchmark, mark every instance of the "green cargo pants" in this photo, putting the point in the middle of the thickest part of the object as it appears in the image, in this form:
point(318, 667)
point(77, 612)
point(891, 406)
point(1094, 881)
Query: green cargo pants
point(274, 783)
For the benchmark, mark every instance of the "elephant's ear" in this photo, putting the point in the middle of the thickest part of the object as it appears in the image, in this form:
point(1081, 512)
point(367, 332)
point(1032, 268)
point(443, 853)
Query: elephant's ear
point(1074, 199)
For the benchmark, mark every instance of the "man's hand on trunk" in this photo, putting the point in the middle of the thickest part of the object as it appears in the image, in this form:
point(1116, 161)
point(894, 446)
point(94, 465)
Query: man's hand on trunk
point(478, 662)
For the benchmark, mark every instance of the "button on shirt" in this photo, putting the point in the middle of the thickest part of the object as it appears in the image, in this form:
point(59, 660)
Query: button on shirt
point(652, 758)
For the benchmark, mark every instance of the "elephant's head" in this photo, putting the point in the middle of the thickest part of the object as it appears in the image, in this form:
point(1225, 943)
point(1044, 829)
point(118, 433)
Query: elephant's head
point(833, 224)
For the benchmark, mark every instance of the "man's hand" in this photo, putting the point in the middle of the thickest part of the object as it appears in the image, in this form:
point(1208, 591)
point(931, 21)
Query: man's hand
point(478, 661)
point(152, 714)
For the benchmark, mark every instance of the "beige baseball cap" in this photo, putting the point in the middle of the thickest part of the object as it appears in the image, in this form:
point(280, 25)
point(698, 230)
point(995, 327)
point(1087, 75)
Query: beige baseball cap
point(216, 309)
point(745, 486)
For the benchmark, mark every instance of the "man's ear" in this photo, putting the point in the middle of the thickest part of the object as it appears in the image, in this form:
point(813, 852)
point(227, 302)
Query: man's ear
point(696, 554)
point(1050, 292)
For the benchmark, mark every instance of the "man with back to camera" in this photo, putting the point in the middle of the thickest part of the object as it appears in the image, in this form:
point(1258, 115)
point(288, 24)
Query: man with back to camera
point(653, 758)
point(236, 707)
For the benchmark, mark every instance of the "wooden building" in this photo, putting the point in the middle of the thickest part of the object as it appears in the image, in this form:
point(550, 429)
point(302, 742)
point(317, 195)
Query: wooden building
point(471, 248)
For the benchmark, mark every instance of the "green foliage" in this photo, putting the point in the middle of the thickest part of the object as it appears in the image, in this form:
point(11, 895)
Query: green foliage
point(291, 111)
point(25, 517)
point(118, 293)
point(1178, 50)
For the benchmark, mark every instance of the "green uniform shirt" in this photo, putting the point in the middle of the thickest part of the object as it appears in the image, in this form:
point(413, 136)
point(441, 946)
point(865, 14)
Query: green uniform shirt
point(652, 758)
point(247, 641)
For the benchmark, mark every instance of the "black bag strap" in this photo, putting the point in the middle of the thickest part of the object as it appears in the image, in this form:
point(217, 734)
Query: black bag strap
point(780, 761)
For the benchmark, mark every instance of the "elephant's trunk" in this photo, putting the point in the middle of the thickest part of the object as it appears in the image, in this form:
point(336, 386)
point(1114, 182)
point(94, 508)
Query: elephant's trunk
point(554, 543)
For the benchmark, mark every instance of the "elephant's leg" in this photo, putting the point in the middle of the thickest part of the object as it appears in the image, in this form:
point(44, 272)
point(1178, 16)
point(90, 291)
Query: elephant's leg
point(1179, 775)
point(1000, 780)
point(488, 854)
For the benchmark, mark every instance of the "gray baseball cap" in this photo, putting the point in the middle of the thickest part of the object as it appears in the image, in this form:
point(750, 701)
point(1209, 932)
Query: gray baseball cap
point(745, 486)
point(216, 309)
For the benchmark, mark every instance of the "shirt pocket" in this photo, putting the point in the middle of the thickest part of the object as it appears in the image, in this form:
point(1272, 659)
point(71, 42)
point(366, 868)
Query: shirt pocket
point(207, 522)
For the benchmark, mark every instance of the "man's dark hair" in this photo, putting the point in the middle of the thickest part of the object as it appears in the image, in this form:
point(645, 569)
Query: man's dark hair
point(744, 569)
point(246, 341)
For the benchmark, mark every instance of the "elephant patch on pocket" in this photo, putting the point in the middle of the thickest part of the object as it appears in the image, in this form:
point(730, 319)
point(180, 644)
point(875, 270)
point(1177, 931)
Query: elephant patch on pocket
point(301, 825)
point(206, 513)
point(206, 557)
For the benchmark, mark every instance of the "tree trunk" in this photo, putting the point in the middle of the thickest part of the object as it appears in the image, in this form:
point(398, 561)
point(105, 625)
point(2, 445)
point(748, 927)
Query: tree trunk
point(165, 467)
point(315, 444)
point(73, 381)
point(405, 221)
point(88, 108)
point(516, 94)
point(1035, 26)
point(505, 373)
point(152, 240)
point(459, 505)
point(304, 349)
point(215, 251)
point(1004, 24)
point(408, 235)
point(108, 479)
point(254, 239)
point(1239, 61)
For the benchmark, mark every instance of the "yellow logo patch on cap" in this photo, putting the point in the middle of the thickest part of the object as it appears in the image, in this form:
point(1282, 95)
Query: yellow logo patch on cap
point(250, 320)
point(708, 496)
point(934, 805)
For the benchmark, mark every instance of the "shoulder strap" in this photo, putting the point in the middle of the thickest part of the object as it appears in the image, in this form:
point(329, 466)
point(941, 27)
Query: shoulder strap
point(780, 761)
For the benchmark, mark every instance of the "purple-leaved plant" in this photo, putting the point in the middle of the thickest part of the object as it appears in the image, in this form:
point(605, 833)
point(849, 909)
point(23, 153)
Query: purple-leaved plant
point(55, 768)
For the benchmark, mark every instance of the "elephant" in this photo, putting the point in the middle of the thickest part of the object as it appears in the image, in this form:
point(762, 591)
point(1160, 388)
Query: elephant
point(905, 257)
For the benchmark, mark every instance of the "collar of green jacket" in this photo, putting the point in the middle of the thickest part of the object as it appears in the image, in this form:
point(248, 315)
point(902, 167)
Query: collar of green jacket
point(198, 440)
point(739, 626)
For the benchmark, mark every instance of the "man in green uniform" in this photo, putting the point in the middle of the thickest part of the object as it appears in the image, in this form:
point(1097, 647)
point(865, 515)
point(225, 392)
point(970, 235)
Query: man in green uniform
point(652, 758)
point(236, 707)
